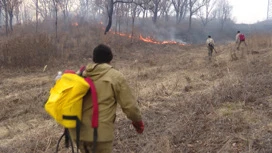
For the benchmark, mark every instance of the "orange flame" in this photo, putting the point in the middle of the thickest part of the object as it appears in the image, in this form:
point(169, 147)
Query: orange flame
point(150, 40)
point(147, 39)
point(123, 34)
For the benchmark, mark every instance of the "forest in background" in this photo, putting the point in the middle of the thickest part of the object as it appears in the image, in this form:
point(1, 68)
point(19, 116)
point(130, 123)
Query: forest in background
point(187, 21)
point(189, 104)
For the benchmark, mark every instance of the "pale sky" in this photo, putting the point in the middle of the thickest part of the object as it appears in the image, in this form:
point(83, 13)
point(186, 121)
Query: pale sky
point(249, 11)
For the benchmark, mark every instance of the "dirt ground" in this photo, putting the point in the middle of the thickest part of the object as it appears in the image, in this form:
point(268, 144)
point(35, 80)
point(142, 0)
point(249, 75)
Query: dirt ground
point(189, 104)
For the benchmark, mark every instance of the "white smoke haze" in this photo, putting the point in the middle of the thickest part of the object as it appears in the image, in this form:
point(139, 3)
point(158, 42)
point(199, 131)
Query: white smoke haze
point(165, 27)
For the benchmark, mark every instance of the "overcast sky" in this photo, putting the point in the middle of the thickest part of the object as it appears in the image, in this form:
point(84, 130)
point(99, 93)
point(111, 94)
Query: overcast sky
point(249, 11)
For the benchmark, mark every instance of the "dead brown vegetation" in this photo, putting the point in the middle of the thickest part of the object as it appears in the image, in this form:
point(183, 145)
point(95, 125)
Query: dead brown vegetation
point(189, 104)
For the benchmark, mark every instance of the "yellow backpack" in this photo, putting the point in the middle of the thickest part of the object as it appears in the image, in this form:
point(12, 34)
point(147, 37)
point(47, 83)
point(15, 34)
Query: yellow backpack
point(65, 103)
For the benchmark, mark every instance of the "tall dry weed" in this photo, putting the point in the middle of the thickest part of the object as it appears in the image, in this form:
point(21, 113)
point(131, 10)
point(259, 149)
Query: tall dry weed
point(259, 41)
point(27, 51)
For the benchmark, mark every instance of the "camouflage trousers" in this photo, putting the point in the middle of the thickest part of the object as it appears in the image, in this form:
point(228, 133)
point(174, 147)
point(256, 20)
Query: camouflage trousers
point(210, 51)
point(239, 44)
point(101, 147)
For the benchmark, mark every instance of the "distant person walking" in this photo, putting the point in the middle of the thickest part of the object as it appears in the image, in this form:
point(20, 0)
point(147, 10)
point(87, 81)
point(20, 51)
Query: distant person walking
point(240, 38)
point(210, 46)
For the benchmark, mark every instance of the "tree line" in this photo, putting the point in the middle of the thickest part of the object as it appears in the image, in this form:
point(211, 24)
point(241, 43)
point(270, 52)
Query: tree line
point(37, 11)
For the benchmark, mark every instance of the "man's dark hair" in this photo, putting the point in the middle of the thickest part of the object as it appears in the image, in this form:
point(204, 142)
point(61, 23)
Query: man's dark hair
point(238, 31)
point(209, 37)
point(102, 54)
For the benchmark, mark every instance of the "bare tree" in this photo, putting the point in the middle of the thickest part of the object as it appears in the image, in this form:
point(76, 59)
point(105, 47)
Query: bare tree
point(194, 6)
point(42, 7)
point(110, 8)
point(37, 14)
point(1, 13)
point(155, 10)
point(110, 12)
point(98, 7)
point(5, 5)
point(89, 8)
point(145, 8)
point(63, 5)
point(179, 7)
point(17, 14)
point(25, 13)
point(55, 6)
point(207, 12)
point(134, 11)
point(224, 12)
point(84, 7)
point(10, 6)
point(119, 13)
point(165, 9)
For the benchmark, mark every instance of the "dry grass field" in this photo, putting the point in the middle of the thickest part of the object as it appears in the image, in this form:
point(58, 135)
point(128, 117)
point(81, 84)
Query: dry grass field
point(189, 104)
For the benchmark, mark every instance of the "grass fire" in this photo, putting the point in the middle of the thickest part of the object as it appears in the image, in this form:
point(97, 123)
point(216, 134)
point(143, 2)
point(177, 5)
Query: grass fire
point(192, 86)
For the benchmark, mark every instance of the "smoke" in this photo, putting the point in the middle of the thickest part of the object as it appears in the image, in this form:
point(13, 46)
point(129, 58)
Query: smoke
point(160, 31)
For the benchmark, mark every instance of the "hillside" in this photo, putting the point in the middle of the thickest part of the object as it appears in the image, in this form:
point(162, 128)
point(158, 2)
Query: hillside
point(189, 104)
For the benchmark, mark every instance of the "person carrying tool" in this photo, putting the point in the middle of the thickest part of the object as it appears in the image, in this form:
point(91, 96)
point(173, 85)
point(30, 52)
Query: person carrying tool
point(239, 39)
point(111, 88)
point(210, 45)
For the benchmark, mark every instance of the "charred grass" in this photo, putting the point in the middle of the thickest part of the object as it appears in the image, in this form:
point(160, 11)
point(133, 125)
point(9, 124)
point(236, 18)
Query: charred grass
point(189, 104)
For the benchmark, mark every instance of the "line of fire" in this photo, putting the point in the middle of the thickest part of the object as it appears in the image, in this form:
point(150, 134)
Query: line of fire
point(147, 39)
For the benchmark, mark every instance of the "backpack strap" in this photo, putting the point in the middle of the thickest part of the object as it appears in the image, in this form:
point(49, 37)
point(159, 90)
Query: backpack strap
point(67, 139)
point(95, 111)
point(94, 99)
point(95, 103)
point(95, 114)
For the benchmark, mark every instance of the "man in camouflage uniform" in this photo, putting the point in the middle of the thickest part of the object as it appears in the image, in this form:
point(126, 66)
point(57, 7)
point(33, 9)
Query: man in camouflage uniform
point(210, 46)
